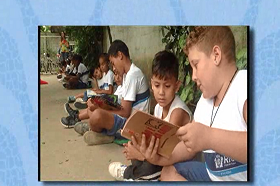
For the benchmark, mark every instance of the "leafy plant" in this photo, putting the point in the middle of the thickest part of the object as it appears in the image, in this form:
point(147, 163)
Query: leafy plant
point(88, 42)
point(241, 59)
point(175, 39)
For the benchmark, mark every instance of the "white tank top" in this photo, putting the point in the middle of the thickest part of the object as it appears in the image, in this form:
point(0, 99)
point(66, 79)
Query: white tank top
point(176, 103)
point(229, 117)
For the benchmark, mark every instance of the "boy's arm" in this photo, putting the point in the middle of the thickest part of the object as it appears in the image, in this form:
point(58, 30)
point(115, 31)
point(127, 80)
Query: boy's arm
point(95, 83)
point(229, 143)
point(179, 117)
point(77, 76)
point(102, 91)
point(198, 137)
point(126, 109)
point(180, 152)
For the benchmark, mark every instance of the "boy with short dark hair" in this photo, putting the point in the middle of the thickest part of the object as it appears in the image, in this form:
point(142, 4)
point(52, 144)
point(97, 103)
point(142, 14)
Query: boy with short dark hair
point(106, 86)
point(219, 128)
point(82, 127)
point(135, 95)
point(96, 75)
point(170, 107)
point(103, 85)
point(80, 80)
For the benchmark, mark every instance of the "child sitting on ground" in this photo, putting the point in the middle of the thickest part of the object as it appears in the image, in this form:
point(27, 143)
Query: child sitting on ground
point(219, 128)
point(82, 127)
point(80, 80)
point(169, 107)
point(105, 124)
point(104, 85)
point(96, 75)
point(66, 70)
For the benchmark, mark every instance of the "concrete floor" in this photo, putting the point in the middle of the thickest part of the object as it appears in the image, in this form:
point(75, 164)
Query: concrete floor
point(64, 154)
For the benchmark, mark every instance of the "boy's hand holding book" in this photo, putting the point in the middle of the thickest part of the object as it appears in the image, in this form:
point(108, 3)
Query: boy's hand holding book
point(195, 136)
point(150, 152)
point(131, 152)
point(91, 105)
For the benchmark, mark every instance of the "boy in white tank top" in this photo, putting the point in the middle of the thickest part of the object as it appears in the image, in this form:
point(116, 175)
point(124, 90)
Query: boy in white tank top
point(219, 128)
point(169, 107)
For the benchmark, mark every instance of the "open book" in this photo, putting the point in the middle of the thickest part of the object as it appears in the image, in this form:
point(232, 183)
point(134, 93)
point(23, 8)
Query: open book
point(104, 101)
point(140, 122)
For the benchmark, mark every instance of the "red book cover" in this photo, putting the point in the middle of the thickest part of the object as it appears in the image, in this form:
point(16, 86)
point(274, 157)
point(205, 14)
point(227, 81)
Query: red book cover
point(106, 102)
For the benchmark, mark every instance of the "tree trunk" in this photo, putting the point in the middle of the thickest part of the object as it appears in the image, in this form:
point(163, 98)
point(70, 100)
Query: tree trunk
point(109, 33)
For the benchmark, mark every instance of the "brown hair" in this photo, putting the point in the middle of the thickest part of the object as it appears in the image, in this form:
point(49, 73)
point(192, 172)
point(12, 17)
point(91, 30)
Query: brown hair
point(105, 57)
point(206, 37)
point(165, 65)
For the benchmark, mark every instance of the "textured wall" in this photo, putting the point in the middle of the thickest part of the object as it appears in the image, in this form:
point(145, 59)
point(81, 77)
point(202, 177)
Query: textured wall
point(143, 43)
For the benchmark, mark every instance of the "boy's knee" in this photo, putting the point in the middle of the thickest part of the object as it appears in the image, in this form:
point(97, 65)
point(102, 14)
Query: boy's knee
point(168, 173)
point(95, 118)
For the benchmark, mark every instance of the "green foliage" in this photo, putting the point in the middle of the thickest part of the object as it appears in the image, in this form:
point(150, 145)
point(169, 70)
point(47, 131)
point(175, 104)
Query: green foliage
point(88, 42)
point(45, 28)
point(175, 39)
point(241, 59)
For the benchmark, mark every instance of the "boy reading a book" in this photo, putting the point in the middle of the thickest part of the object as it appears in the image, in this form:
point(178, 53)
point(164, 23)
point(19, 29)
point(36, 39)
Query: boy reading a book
point(96, 75)
point(219, 128)
point(169, 107)
point(105, 124)
point(103, 85)
point(82, 127)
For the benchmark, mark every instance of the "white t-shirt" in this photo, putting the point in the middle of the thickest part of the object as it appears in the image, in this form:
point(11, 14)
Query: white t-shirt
point(106, 80)
point(74, 70)
point(118, 93)
point(68, 68)
point(176, 103)
point(136, 89)
point(229, 117)
point(81, 70)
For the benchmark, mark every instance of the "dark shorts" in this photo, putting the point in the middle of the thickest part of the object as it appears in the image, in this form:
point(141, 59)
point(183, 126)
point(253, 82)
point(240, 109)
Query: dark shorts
point(63, 56)
point(81, 85)
point(142, 171)
point(192, 170)
point(118, 124)
point(85, 98)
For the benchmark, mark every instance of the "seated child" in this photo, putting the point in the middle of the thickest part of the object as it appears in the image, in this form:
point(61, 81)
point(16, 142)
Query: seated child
point(67, 69)
point(219, 128)
point(104, 85)
point(169, 107)
point(80, 80)
point(96, 75)
point(82, 127)
point(105, 124)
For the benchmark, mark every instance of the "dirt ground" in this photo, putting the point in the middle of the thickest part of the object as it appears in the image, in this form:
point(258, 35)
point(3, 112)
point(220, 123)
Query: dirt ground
point(64, 154)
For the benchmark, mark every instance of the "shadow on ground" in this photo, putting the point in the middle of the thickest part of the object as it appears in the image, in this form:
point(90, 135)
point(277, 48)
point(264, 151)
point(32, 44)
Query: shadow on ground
point(64, 154)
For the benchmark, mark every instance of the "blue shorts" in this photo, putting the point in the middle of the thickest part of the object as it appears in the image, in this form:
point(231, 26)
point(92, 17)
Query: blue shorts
point(192, 170)
point(118, 124)
point(85, 98)
point(81, 85)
